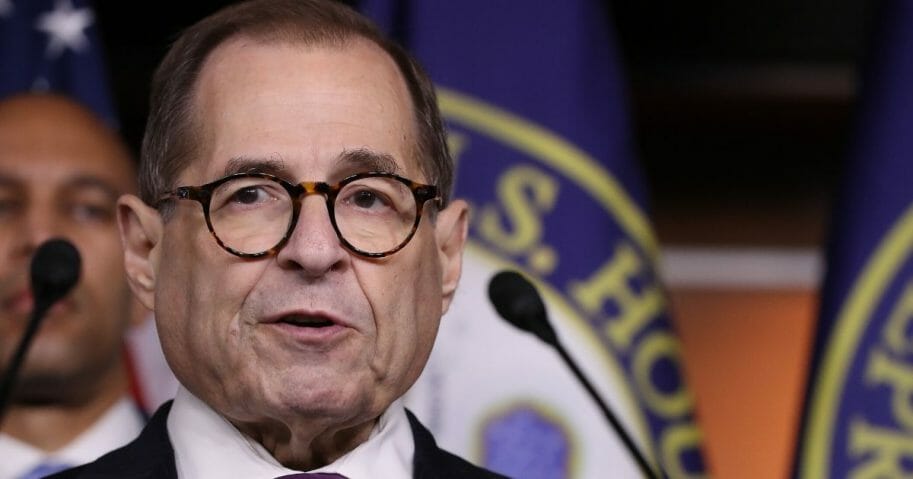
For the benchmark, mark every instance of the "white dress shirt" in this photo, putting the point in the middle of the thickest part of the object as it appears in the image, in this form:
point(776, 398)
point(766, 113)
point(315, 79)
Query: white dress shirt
point(118, 426)
point(207, 446)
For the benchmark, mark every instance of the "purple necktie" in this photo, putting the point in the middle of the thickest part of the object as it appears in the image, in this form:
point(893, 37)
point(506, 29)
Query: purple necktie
point(314, 475)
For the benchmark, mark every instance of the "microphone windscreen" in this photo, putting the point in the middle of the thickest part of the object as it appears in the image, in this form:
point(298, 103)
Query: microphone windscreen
point(55, 270)
point(517, 301)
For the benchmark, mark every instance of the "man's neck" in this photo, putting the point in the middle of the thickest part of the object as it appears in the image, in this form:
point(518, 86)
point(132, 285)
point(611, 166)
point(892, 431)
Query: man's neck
point(51, 426)
point(207, 444)
point(304, 447)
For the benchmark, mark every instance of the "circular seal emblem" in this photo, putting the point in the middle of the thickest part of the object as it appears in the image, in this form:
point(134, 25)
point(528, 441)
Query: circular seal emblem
point(544, 207)
point(860, 414)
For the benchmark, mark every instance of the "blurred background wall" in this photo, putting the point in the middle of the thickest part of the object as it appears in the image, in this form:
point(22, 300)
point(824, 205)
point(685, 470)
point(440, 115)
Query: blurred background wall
point(742, 112)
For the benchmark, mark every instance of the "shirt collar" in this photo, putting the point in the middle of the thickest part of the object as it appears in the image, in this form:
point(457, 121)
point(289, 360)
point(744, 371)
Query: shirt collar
point(119, 425)
point(207, 446)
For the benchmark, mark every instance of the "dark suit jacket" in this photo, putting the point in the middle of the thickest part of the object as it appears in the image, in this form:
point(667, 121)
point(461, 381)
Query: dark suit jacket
point(150, 456)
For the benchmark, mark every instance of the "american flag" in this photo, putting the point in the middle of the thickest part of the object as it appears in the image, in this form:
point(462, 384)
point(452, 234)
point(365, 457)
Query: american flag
point(53, 45)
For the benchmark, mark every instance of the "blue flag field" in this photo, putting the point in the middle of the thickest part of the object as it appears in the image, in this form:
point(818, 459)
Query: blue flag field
point(859, 411)
point(538, 126)
point(52, 45)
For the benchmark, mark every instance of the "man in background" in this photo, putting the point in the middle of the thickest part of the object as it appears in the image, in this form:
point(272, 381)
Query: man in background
point(61, 172)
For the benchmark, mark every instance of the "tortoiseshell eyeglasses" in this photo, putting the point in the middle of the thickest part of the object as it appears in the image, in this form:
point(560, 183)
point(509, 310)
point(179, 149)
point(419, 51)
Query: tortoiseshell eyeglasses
point(250, 215)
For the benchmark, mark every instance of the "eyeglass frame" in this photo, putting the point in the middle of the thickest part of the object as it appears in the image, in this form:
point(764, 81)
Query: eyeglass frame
point(421, 193)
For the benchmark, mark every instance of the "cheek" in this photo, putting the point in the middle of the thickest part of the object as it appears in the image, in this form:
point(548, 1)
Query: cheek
point(406, 298)
point(103, 301)
point(102, 259)
point(102, 279)
point(183, 289)
point(199, 295)
point(428, 302)
point(6, 253)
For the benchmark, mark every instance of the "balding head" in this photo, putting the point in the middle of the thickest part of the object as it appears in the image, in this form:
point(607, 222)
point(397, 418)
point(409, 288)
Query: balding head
point(43, 122)
point(172, 131)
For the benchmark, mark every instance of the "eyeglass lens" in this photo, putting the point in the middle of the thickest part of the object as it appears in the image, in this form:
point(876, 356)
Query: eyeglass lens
point(252, 215)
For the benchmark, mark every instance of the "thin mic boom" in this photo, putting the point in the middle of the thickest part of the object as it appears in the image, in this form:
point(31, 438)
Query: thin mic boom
point(518, 302)
point(54, 271)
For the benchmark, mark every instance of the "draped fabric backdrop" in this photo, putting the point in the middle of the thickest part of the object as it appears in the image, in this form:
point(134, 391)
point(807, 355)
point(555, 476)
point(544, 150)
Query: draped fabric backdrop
point(859, 412)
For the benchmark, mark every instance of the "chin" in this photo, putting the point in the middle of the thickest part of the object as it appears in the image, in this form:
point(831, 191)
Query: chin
point(327, 400)
point(44, 387)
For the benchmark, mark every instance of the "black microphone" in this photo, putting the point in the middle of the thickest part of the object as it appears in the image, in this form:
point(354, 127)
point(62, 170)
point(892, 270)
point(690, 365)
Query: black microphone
point(54, 271)
point(518, 302)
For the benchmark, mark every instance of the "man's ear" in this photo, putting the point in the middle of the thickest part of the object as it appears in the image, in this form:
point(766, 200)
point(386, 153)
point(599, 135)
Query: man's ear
point(451, 229)
point(141, 234)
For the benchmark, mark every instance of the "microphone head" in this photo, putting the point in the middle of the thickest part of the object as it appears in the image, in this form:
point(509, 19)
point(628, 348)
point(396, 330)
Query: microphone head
point(55, 270)
point(517, 301)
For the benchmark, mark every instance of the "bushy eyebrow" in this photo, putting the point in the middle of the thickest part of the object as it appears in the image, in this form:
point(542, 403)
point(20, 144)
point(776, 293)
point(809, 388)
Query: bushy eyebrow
point(363, 159)
point(256, 165)
point(348, 162)
point(91, 182)
point(78, 182)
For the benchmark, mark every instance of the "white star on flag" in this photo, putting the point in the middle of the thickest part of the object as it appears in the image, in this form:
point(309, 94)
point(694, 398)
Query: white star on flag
point(65, 27)
point(6, 8)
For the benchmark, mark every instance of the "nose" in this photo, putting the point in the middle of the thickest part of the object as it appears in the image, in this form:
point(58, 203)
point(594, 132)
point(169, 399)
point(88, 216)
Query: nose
point(38, 225)
point(313, 247)
point(21, 235)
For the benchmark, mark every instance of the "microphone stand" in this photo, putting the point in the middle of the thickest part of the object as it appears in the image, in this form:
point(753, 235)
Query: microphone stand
point(12, 372)
point(609, 415)
point(519, 303)
point(54, 271)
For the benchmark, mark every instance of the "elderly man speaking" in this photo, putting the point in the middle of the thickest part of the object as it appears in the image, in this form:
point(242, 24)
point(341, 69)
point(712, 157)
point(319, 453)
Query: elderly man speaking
point(297, 243)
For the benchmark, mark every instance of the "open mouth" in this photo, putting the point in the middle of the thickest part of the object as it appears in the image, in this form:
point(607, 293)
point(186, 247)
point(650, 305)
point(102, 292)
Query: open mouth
point(306, 321)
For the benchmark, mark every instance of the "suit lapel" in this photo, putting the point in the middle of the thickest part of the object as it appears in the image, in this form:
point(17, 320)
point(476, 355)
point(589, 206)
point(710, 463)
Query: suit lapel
point(423, 461)
point(149, 456)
